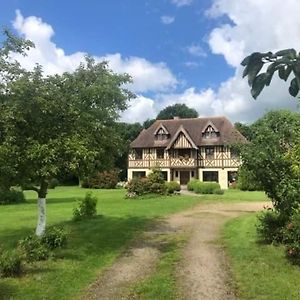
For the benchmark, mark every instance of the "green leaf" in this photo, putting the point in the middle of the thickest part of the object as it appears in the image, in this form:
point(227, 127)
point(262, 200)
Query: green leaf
point(287, 52)
point(258, 84)
point(284, 72)
point(246, 60)
point(253, 69)
point(294, 88)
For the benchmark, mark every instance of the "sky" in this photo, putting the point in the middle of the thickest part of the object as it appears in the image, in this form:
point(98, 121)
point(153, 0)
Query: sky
point(177, 51)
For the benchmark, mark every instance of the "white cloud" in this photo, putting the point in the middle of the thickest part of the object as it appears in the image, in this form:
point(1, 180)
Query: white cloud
point(141, 108)
point(196, 50)
point(191, 64)
point(167, 19)
point(147, 76)
point(180, 3)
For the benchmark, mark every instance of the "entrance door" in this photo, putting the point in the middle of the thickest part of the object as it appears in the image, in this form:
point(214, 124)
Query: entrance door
point(184, 177)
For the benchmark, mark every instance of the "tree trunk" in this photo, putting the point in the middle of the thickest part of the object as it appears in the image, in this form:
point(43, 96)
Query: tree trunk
point(41, 223)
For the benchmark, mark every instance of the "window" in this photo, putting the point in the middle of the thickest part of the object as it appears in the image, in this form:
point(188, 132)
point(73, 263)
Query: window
point(211, 176)
point(138, 174)
point(161, 135)
point(209, 152)
point(192, 174)
point(185, 153)
point(160, 153)
point(138, 153)
point(210, 133)
point(164, 175)
point(176, 174)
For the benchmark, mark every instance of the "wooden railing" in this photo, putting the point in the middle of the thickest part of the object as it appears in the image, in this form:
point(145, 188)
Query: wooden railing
point(184, 163)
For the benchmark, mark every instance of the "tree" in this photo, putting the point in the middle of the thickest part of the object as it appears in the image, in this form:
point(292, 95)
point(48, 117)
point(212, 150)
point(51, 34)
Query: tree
point(51, 124)
point(285, 62)
point(177, 110)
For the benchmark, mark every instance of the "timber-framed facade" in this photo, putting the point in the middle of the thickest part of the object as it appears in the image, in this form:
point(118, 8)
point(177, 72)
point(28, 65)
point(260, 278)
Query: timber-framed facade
point(185, 149)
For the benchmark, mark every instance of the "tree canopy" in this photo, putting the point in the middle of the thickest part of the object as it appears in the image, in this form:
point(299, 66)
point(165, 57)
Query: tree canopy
point(52, 124)
point(177, 110)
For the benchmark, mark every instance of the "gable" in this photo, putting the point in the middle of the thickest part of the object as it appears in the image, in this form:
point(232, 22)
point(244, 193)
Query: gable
point(181, 142)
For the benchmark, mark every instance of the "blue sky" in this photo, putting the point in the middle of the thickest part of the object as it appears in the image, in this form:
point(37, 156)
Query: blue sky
point(190, 48)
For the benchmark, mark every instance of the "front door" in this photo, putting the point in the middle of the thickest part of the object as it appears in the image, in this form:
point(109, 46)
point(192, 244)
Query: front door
point(184, 177)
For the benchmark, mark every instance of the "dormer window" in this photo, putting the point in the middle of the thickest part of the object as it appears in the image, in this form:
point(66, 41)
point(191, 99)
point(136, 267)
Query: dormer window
point(161, 133)
point(210, 133)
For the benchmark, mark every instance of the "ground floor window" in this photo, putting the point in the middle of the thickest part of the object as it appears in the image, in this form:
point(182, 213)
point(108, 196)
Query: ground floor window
point(165, 175)
point(211, 176)
point(138, 174)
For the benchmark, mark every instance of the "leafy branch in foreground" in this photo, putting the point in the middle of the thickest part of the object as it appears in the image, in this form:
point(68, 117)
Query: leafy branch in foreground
point(285, 62)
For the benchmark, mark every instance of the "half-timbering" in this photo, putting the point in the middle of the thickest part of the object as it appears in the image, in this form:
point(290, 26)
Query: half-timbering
point(184, 149)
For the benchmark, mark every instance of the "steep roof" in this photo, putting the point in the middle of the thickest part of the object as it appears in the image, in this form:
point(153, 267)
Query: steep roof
point(194, 127)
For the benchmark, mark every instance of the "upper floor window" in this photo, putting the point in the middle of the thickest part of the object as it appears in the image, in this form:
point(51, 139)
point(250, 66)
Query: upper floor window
point(160, 153)
point(209, 152)
point(138, 153)
point(161, 133)
point(185, 153)
point(210, 133)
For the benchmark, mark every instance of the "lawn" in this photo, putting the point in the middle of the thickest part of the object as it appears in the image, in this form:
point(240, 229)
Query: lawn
point(260, 271)
point(93, 244)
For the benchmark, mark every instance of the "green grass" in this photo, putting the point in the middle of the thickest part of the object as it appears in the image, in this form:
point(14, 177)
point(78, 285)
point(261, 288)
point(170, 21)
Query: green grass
point(161, 285)
point(260, 271)
point(93, 244)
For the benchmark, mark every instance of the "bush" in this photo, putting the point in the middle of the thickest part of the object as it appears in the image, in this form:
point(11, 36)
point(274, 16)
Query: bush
point(11, 197)
point(270, 227)
point(172, 186)
point(53, 183)
point(291, 237)
point(10, 264)
point(206, 187)
point(191, 184)
point(33, 249)
point(246, 181)
point(218, 191)
point(87, 207)
point(158, 188)
point(139, 186)
point(101, 180)
point(54, 237)
point(156, 176)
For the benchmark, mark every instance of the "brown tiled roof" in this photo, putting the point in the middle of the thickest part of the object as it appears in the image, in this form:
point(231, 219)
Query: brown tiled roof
point(194, 127)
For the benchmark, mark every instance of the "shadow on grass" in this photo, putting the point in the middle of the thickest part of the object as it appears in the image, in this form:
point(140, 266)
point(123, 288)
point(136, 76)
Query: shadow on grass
point(56, 200)
point(6, 291)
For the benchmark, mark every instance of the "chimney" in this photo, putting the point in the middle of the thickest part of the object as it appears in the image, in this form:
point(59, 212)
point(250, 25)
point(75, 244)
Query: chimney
point(176, 118)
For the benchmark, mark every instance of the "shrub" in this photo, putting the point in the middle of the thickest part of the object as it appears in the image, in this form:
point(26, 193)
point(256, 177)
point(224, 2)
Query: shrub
point(87, 207)
point(10, 264)
point(53, 183)
point(139, 186)
point(206, 187)
point(292, 252)
point(191, 184)
point(33, 249)
point(156, 176)
point(172, 186)
point(270, 226)
point(218, 191)
point(158, 188)
point(11, 197)
point(246, 181)
point(101, 180)
point(54, 237)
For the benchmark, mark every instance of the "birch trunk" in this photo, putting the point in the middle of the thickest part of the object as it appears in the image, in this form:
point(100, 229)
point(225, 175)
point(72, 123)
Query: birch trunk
point(41, 224)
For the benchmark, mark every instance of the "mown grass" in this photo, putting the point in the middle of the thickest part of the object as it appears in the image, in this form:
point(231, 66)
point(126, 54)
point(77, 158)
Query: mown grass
point(260, 271)
point(93, 244)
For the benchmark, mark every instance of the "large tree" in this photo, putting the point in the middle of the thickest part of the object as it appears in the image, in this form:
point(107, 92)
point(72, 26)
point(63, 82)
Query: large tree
point(54, 124)
point(177, 110)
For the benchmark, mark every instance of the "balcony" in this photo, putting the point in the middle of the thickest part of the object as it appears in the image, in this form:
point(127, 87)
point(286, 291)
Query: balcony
point(164, 163)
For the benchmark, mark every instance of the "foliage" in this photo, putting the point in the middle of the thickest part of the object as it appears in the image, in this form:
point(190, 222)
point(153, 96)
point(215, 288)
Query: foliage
point(206, 187)
point(218, 191)
point(148, 123)
point(177, 110)
point(54, 237)
point(10, 264)
point(33, 249)
point(172, 186)
point(285, 62)
point(191, 184)
point(158, 188)
point(270, 226)
point(87, 208)
point(139, 186)
point(245, 130)
point(156, 176)
point(11, 197)
point(246, 180)
point(101, 180)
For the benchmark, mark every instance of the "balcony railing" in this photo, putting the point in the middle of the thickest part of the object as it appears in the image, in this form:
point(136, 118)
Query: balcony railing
point(183, 163)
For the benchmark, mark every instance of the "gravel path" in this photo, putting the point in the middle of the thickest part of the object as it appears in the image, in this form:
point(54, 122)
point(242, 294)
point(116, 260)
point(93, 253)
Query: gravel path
point(203, 272)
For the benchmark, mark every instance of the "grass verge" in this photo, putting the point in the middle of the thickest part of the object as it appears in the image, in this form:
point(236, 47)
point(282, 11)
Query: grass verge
point(260, 271)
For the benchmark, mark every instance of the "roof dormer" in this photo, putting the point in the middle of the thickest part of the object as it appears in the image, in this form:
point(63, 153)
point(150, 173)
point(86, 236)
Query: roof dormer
point(210, 131)
point(161, 133)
